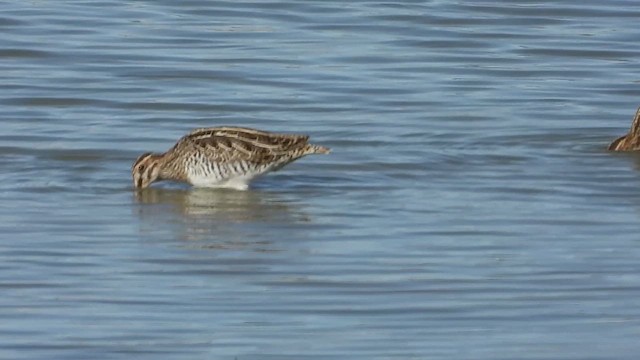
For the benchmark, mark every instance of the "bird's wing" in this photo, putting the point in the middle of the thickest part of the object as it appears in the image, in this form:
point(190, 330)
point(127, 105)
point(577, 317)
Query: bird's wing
point(229, 144)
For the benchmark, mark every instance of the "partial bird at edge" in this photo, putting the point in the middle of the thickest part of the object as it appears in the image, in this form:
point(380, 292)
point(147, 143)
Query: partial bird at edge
point(631, 140)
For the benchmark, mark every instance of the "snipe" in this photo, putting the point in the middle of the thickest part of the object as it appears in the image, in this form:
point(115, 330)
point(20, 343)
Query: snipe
point(222, 157)
point(630, 141)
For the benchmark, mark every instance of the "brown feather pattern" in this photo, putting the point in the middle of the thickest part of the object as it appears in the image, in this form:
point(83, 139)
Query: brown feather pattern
point(222, 154)
point(630, 141)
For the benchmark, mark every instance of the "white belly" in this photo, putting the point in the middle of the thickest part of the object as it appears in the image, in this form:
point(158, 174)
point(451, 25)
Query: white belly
point(238, 183)
point(223, 177)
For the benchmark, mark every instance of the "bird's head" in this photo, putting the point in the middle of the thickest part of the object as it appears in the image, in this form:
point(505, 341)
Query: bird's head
point(145, 170)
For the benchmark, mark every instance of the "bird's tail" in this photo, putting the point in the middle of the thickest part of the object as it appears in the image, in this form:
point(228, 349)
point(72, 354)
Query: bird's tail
point(316, 149)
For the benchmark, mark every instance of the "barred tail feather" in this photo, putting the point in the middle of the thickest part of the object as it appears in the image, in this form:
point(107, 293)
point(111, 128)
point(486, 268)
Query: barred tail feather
point(316, 149)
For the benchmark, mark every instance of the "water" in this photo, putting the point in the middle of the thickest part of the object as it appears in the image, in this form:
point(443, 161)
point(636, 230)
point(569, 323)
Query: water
point(469, 209)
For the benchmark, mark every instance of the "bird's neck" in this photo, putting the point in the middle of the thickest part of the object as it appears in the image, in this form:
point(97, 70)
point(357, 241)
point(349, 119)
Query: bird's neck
point(171, 168)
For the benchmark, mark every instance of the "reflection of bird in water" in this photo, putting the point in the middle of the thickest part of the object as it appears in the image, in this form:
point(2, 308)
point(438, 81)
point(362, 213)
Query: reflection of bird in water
point(630, 141)
point(220, 205)
point(223, 218)
point(222, 157)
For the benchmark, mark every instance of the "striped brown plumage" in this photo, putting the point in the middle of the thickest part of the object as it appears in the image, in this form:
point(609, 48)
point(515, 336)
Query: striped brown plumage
point(222, 157)
point(630, 141)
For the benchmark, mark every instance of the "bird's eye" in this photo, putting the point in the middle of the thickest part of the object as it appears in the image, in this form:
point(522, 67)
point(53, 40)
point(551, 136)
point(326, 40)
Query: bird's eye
point(141, 167)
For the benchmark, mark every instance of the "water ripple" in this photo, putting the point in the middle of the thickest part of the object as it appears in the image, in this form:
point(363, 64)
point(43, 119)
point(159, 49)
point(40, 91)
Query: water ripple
point(469, 208)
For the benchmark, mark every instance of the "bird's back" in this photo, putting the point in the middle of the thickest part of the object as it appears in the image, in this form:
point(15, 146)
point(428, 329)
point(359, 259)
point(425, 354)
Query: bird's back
point(233, 156)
